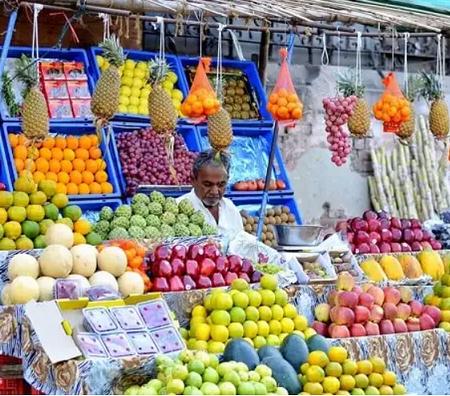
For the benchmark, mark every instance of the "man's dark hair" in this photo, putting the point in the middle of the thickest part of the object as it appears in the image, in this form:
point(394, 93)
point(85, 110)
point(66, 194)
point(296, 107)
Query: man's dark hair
point(211, 158)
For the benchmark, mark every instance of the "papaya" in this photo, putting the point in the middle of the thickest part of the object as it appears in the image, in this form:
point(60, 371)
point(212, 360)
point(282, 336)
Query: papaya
point(373, 270)
point(411, 266)
point(318, 343)
point(284, 374)
point(239, 350)
point(431, 263)
point(269, 351)
point(294, 350)
point(392, 268)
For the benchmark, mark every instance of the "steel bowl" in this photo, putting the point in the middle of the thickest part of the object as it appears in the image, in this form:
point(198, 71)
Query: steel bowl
point(299, 235)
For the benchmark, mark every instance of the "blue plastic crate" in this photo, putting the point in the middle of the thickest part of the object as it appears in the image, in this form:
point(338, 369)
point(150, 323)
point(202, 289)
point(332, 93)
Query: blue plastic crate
point(68, 129)
point(250, 157)
point(70, 55)
point(188, 132)
point(5, 176)
point(253, 204)
point(91, 208)
point(172, 61)
point(250, 70)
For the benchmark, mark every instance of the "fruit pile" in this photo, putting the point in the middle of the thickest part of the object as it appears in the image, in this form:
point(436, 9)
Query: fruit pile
point(441, 231)
point(81, 267)
point(398, 268)
point(27, 213)
point(152, 217)
point(392, 110)
point(262, 316)
point(200, 103)
point(199, 266)
point(381, 233)
point(201, 373)
point(144, 159)
point(371, 310)
point(343, 262)
point(74, 163)
point(258, 185)
point(134, 86)
point(275, 215)
point(285, 106)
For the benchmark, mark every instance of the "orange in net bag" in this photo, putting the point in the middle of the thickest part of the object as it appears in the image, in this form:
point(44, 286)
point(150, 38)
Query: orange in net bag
point(201, 100)
point(392, 108)
point(284, 103)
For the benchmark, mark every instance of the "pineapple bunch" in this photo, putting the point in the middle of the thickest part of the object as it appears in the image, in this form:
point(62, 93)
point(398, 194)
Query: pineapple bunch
point(34, 107)
point(163, 114)
point(359, 122)
point(105, 100)
point(220, 131)
point(407, 128)
point(439, 117)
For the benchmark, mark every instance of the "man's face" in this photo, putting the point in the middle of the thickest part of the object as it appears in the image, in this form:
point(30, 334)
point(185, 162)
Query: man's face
point(210, 184)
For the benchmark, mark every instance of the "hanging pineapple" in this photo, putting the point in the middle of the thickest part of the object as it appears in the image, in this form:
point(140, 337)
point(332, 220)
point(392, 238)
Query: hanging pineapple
point(105, 100)
point(439, 117)
point(407, 128)
point(220, 131)
point(359, 123)
point(163, 114)
point(34, 107)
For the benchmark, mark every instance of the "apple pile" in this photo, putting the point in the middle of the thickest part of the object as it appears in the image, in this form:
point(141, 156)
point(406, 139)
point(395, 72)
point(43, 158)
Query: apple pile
point(258, 185)
point(371, 310)
point(381, 233)
point(199, 266)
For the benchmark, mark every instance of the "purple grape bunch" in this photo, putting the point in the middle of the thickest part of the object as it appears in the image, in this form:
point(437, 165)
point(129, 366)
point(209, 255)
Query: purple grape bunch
point(144, 160)
point(337, 112)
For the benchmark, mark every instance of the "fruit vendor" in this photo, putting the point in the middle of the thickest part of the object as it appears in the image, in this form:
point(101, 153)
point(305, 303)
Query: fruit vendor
point(209, 180)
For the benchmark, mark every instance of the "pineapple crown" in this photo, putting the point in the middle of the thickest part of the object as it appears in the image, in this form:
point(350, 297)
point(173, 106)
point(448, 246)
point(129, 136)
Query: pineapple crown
point(158, 70)
point(415, 86)
point(27, 72)
point(346, 85)
point(112, 51)
point(432, 87)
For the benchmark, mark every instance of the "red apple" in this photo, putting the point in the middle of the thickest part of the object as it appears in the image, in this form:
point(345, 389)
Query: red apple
point(160, 284)
point(373, 225)
point(416, 307)
point(339, 332)
point(377, 293)
point(342, 316)
point(366, 300)
point(376, 314)
point(434, 312)
point(362, 248)
point(426, 322)
point(203, 282)
point(188, 282)
point(179, 252)
point(207, 267)
point(192, 269)
point(386, 327)
point(211, 251)
point(369, 215)
point(385, 247)
point(347, 299)
point(358, 330)
point(362, 237)
point(396, 223)
point(386, 236)
point(235, 263)
point(372, 329)
point(361, 314)
point(403, 311)
point(374, 238)
point(417, 247)
point(320, 327)
point(230, 277)
point(374, 249)
point(178, 266)
point(390, 311)
point(164, 269)
point(222, 264)
point(413, 324)
point(162, 253)
point(217, 280)
point(195, 252)
point(406, 247)
point(245, 276)
point(396, 235)
point(391, 295)
point(400, 326)
point(396, 247)
point(176, 284)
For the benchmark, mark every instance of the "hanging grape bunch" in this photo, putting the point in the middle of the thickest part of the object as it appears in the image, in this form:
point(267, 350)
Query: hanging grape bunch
point(337, 112)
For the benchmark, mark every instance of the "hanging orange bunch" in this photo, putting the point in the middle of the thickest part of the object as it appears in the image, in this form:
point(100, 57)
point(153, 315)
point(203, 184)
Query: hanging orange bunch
point(201, 100)
point(392, 108)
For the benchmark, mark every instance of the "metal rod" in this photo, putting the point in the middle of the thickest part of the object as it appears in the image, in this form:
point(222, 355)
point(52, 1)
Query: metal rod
point(383, 34)
point(263, 56)
point(7, 42)
point(267, 181)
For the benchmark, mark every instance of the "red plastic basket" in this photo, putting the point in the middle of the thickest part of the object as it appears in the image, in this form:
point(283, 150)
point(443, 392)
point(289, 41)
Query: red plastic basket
point(12, 386)
point(9, 360)
point(36, 392)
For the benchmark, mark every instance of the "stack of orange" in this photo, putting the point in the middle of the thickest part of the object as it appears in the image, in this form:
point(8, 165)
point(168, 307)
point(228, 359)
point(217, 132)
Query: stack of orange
point(74, 163)
point(200, 103)
point(284, 105)
point(392, 110)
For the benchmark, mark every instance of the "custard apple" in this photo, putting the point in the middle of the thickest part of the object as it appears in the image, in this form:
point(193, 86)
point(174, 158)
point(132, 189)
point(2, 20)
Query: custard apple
point(106, 213)
point(123, 211)
point(138, 221)
point(168, 218)
point(118, 233)
point(153, 220)
point(167, 231)
point(208, 229)
point(158, 197)
point(120, 222)
point(136, 232)
point(181, 230)
point(195, 230)
point(152, 232)
point(102, 228)
point(155, 208)
point(186, 207)
point(140, 198)
point(140, 209)
point(182, 219)
point(171, 206)
point(198, 218)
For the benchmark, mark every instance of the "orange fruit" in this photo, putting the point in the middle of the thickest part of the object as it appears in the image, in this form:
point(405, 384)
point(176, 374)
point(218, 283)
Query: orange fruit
point(19, 164)
point(94, 140)
point(208, 103)
point(101, 176)
point(107, 188)
point(55, 165)
point(42, 165)
point(66, 166)
point(94, 153)
point(296, 114)
point(274, 109)
point(57, 153)
point(38, 176)
point(83, 188)
point(95, 188)
point(30, 165)
point(69, 155)
point(273, 98)
point(49, 143)
point(75, 177)
point(405, 111)
point(22, 139)
point(378, 114)
point(186, 109)
point(210, 111)
point(82, 154)
point(397, 118)
point(45, 153)
point(72, 142)
point(91, 165)
point(85, 142)
point(61, 188)
point(282, 93)
point(197, 108)
point(60, 142)
point(292, 98)
point(282, 112)
point(13, 140)
point(72, 189)
point(101, 164)
point(51, 176)
point(191, 99)
point(21, 152)
point(291, 106)
point(79, 165)
point(392, 111)
point(88, 177)
point(63, 177)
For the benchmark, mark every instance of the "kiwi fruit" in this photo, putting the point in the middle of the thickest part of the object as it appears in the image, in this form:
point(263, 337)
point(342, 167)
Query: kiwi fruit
point(277, 219)
point(285, 209)
point(248, 228)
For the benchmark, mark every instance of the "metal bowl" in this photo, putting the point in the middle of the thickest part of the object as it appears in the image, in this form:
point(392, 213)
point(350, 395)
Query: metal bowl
point(298, 235)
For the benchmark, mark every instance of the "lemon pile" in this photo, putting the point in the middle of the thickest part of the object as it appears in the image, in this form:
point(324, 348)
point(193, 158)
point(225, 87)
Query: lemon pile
point(262, 317)
point(334, 373)
point(134, 87)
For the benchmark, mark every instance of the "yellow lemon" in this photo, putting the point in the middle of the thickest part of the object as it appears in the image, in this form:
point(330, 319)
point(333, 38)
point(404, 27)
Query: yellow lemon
point(337, 354)
point(318, 358)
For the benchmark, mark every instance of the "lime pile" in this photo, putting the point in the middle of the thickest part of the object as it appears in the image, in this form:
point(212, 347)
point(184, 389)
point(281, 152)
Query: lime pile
point(28, 211)
point(334, 373)
point(261, 317)
point(200, 373)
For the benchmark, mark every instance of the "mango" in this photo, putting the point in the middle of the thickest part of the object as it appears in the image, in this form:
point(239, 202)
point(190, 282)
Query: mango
point(431, 263)
point(392, 267)
point(373, 270)
point(411, 266)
